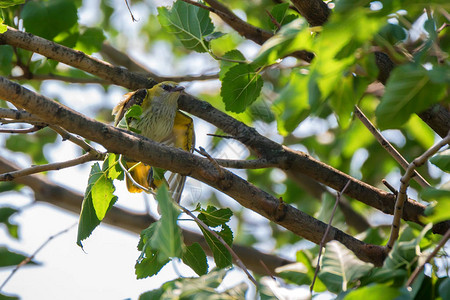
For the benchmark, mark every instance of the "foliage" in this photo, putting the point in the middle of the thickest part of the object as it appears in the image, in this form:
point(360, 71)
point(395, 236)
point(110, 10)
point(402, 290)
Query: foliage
point(304, 105)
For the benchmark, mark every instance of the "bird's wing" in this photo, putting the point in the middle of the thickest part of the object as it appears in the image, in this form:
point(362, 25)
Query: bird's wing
point(130, 99)
point(183, 137)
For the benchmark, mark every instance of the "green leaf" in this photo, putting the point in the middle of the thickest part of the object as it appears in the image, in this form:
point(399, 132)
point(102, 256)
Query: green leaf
point(341, 268)
point(191, 24)
point(241, 86)
point(345, 96)
point(392, 33)
point(8, 3)
point(294, 36)
point(195, 257)
point(5, 215)
point(214, 217)
point(11, 258)
point(442, 160)
point(90, 40)
point(226, 65)
point(96, 205)
point(203, 287)
point(3, 27)
point(291, 107)
point(222, 256)
point(440, 210)
point(408, 90)
point(279, 12)
point(149, 266)
point(444, 289)
point(49, 19)
point(167, 236)
point(377, 291)
point(405, 249)
point(113, 168)
point(213, 36)
point(324, 214)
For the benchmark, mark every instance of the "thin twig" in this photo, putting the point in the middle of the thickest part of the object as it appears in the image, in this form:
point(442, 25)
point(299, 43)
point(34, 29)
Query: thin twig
point(66, 136)
point(134, 182)
point(221, 240)
point(432, 254)
point(53, 166)
point(389, 186)
point(129, 9)
point(22, 130)
point(30, 258)
point(211, 9)
point(404, 182)
point(273, 20)
point(323, 241)
point(388, 146)
point(203, 152)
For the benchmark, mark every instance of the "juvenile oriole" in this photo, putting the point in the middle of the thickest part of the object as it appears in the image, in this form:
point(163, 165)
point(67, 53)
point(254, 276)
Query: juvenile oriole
point(162, 122)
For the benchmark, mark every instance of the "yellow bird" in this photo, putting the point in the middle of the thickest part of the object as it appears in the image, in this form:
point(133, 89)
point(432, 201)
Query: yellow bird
point(162, 122)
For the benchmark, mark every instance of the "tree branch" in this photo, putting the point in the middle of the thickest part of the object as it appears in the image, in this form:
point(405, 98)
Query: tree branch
point(294, 161)
point(49, 192)
point(141, 149)
point(90, 156)
point(404, 183)
point(316, 12)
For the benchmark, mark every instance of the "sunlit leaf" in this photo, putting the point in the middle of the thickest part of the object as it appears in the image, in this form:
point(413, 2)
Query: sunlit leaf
point(241, 86)
point(195, 257)
point(442, 160)
point(341, 268)
point(191, 24)
point(408, 90)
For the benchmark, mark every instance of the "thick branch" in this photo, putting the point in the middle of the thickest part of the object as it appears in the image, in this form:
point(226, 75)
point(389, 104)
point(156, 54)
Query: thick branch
point(74, 58)
point(141, 149)
point(316, 12)
point(49, 192)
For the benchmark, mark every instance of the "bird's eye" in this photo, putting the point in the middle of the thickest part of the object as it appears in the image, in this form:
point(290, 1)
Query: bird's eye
point(167, 87)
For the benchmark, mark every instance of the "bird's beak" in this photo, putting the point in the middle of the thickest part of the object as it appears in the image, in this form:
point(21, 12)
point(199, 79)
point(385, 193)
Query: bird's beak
point(178, 88)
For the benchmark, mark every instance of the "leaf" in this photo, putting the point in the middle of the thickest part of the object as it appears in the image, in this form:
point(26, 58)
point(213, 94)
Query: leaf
point(279, 12)
point(90, 40)
point(8, 3)
point(340, 268)
point(324, 214)
point(195, 257)
point(96, 205)
point(114, 170)
point(377, 291)
point(191, 24)
point(408, 90)
point(442, 160)
point(167, 237)
point(406, 249)
point(241, 86)
point(6, 55)
point(291, 107)
point(444, 289)
point(214, 217)
point(222, 256)
point(226, 65)
point(291, 37)
point(149, 266)
point(49, 19)
point(440, 210)
point(3, 27)
point(11, 258)
point(203, 287)
point(5, 215)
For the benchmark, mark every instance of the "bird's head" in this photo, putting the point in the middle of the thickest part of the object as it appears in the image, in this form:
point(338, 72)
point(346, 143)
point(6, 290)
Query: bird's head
point(166, 88)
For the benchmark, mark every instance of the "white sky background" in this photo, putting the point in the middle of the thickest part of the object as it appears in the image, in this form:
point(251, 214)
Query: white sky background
point(106, 269)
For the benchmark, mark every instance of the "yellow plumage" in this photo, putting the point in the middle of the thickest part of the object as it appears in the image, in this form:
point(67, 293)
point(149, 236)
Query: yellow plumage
point(162, 122)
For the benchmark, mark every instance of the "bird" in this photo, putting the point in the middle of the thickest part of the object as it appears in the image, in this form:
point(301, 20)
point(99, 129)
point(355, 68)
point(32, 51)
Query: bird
point(162, 122)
